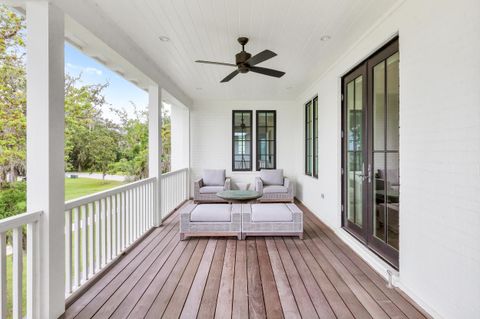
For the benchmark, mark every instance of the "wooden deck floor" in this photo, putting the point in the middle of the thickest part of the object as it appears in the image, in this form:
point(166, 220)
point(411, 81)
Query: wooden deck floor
point(256, 278)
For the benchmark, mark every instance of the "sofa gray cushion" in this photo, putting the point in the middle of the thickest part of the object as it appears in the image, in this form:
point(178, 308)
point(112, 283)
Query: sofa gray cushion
point(271, 189)
point(271, 213)
point(272, 176)
point(210, 189)
point(213, 177)
point(211, 213)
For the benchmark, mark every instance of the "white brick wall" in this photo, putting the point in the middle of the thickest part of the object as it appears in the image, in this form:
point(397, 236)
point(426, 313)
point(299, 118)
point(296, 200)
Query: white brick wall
point(439, 149)
point(211, 136)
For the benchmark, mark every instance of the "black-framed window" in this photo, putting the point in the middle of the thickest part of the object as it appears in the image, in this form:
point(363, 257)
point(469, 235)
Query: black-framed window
point(242, 140)
point(308, 138)
point(266, 139)
point(311, 137)
point(315, 136)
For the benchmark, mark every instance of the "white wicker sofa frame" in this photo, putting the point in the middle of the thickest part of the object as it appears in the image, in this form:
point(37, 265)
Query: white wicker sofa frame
point(274, 187)
point(205, 192)
point(294, 227)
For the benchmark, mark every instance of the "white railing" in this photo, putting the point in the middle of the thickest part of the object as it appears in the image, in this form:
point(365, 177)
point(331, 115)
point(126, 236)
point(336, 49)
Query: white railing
point(174, 190)
point(99, 227)
point(13, 227)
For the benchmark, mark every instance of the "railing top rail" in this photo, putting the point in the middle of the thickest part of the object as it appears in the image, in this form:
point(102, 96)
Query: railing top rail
point(175, 172)
point(109, 192)
point(19, 220)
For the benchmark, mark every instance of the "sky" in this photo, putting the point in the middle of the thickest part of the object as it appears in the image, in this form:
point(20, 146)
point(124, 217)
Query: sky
point(119, 94)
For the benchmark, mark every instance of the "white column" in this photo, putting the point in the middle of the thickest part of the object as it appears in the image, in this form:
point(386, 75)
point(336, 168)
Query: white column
point(155, 143)
point(45, 147)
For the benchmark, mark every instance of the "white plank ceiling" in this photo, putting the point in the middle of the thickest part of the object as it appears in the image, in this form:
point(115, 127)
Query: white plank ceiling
point(208, 29)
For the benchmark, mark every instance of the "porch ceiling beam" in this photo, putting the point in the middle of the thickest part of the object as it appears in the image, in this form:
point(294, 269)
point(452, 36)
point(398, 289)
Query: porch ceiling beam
point(45, 149)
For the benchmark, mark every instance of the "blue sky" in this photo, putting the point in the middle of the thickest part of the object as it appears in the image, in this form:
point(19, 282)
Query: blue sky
point(119, 93)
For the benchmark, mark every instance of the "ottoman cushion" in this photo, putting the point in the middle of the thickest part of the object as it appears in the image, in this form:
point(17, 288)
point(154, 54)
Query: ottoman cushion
point(271, 213)
point(211, 213)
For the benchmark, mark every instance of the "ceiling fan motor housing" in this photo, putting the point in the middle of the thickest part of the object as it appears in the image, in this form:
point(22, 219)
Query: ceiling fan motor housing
point(240, 59)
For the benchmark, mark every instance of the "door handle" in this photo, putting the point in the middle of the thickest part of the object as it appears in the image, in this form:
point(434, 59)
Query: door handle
point(367, 176)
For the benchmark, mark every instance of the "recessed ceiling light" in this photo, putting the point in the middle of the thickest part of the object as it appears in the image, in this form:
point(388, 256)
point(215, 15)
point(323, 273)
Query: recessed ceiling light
point(164, 38)
point(325, 38)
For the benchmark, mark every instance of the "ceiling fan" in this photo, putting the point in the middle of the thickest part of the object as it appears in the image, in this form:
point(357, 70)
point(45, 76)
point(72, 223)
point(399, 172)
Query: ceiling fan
point(245, 62)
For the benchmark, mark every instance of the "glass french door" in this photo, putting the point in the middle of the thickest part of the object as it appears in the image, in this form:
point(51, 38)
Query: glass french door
point(370, 137)
point(355, 156)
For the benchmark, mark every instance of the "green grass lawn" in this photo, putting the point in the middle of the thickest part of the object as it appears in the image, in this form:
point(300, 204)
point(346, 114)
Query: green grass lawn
point(78, 187)
point(74, 188)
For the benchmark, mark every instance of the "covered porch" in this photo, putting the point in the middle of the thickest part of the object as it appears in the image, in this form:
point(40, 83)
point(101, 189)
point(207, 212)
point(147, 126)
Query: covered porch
point(261, 277)
point(118, 253)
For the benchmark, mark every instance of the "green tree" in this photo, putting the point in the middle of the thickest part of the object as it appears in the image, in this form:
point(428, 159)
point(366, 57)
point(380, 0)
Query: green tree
point(102, 147)
point(133, 146)
point(166, 141)
point(12, 97)
point(83, 105)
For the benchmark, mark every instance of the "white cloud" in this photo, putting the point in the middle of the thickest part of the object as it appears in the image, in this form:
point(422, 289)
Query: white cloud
point(72, 66)
point(93, 70)
point(81, 69)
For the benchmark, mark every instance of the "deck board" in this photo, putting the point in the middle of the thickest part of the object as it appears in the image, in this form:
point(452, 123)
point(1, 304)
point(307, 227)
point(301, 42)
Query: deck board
point(262, 277)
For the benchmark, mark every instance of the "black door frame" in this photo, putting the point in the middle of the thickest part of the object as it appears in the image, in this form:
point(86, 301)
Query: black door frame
point(357, 231)
point(365, 233)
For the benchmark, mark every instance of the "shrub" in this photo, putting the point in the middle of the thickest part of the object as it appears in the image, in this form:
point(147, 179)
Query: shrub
point(13, 199)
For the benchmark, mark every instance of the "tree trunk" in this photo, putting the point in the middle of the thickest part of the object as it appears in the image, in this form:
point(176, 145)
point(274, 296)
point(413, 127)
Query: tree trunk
point(13, 173)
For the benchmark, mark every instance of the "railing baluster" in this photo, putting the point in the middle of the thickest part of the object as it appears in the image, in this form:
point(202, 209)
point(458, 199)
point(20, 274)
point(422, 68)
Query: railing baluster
point(3, 276)
point(109, 228)
point(32, 244)
point(122, 210)
point(17, 272)
point(68, 252)
point(147, 208)
point(90, 226)
point(149, 205)
point(144, 217)
point(129, 216)
point(84, 232)
point(114, 225)
point(98, 230)
point(76, 248)
point(120, 223)
point(116, 228)
point(137, 213)
point(103, 243)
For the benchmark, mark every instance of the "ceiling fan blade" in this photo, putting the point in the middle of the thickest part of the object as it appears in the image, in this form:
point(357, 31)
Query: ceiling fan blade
point(218, 63)
point(230, 76)
point(269, 72)
point(260, 57)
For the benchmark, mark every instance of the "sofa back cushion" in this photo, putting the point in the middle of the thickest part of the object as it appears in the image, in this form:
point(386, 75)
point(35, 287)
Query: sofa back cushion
point(272, 176)
point(213, 177)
